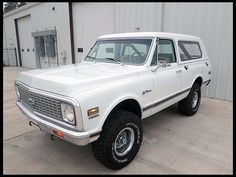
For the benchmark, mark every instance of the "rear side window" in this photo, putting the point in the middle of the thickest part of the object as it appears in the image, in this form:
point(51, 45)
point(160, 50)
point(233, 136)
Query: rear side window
point(189, 50)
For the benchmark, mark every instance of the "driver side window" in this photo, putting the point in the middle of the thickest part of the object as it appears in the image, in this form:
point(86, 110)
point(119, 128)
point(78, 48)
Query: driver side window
point(164, 52)
point(129, 50)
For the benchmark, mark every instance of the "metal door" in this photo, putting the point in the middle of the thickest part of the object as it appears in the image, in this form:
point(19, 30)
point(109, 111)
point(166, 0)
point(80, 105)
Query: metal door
point(26, 42)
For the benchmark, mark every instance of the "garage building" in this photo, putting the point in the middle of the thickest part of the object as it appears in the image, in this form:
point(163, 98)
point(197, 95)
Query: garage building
point(51, 34)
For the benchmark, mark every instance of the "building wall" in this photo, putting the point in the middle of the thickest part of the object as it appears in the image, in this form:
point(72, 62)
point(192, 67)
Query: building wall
point(213, 23)
point(91, 20)
point(145, 16)
point(50, 19)
point(42, 17)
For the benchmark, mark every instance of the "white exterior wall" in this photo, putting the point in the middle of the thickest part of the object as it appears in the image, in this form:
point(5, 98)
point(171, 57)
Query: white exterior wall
point(91, 20)
point(213, 23)
point(145, 16)
point(42, 17)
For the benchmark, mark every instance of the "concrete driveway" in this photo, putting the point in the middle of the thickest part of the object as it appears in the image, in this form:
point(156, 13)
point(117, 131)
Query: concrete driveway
point(173, 144)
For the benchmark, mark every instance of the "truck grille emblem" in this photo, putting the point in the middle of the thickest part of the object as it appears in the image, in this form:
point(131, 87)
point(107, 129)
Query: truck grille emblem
point(31, 101)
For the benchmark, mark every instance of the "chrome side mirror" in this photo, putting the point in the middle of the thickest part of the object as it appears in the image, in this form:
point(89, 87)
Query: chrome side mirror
point(162, 64)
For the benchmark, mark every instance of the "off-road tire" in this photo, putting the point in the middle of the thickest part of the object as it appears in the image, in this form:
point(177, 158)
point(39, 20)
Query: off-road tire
point(103, 148)
point(185, 105)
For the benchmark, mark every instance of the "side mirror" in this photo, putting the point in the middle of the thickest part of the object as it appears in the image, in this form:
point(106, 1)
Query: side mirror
point(162, 64)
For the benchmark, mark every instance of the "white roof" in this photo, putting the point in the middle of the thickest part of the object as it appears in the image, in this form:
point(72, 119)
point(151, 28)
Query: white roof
point(151, 34)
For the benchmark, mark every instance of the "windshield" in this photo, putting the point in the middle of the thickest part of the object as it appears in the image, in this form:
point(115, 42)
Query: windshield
point(126, 51)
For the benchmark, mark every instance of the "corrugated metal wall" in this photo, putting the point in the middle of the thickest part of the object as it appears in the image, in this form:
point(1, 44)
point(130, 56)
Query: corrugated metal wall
point(213, 22)
point(90, 23)
point(42, 17)
point(145, 16)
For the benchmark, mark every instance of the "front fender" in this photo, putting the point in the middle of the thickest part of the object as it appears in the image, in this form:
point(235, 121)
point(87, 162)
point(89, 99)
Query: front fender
point(115, 103)
point(106, 98)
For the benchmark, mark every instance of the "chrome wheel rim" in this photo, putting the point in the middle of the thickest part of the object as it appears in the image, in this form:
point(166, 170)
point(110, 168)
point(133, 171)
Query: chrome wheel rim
point(195, 99)
point(124, 141)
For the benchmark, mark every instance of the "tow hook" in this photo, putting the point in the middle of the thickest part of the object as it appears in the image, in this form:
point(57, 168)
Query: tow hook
point(32, 123)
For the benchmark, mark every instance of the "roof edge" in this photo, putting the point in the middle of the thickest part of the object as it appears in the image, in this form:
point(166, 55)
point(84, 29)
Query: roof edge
point(147, 34)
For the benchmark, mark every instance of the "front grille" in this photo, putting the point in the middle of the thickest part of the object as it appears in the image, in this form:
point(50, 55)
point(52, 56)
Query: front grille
point(41, 104)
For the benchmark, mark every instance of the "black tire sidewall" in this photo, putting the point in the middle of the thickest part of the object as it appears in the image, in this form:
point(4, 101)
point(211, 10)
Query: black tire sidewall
point(103, 147)
point(197, 88)
point(133, 151)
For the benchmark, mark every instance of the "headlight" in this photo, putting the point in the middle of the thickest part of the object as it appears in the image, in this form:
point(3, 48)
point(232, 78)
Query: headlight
point(68, 113)
point(17, 92)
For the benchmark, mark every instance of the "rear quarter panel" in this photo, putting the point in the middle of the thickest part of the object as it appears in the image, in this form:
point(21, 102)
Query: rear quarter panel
point(196, 67)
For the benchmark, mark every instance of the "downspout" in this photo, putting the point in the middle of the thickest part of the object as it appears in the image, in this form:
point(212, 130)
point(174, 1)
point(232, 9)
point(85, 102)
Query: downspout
point(18, 42)
point(71, 32)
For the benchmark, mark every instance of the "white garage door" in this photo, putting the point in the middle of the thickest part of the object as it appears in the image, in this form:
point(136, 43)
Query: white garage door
point(26, 42)
point(90, 21)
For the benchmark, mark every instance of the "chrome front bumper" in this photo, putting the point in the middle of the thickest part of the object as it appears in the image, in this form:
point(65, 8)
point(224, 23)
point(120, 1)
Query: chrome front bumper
point(75, 137)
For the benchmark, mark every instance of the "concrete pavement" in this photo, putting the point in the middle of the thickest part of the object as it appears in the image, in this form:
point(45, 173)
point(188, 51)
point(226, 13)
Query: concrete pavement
point(172, 144)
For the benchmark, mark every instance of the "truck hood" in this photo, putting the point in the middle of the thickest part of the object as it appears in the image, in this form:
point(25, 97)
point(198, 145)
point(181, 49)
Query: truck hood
point(69, 80)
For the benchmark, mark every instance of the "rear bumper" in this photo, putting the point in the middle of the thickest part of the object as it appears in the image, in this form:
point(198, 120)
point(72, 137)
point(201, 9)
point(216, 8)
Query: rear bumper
point(75, 137)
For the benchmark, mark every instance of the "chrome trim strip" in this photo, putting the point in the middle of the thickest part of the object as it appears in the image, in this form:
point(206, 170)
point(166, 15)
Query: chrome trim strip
point(165, 99)
point(79, 138)
point(123, 38)
point(70, 100)
point(95, 134)
point(57, 122)
point(192, 61)
point(52, 120)
point(47, 93)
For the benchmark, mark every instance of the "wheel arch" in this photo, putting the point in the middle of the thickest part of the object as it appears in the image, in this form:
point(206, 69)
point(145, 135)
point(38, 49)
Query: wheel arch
point(127, 103)
point(199, 80)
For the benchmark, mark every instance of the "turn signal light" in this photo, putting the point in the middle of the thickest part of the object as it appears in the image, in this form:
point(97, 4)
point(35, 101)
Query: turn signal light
point(93, 111)
point(59, 134)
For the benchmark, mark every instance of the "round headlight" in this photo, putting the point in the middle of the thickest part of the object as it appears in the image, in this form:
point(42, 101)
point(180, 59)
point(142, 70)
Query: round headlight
point(17, 92)
point(68, 113)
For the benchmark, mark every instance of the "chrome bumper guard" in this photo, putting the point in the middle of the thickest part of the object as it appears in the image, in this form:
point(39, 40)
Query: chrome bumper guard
point(75, 137)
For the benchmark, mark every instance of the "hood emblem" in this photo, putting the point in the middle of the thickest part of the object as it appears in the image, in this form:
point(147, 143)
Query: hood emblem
point(31, 101)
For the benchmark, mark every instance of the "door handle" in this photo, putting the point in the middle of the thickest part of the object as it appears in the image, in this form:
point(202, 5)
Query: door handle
point(186, 67)
point(179, 71)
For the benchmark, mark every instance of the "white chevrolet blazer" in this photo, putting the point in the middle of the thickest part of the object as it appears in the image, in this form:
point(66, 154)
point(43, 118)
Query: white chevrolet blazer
point(124, 78)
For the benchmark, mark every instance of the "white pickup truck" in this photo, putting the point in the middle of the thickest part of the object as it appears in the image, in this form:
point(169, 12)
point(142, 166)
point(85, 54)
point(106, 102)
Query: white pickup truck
point(124, 78)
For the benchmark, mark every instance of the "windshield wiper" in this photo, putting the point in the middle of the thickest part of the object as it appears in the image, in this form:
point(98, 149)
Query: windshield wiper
point(113, 59)
point(92, 58)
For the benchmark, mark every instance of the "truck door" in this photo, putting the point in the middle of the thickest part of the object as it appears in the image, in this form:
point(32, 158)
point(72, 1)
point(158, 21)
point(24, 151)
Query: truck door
point(167, 80)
